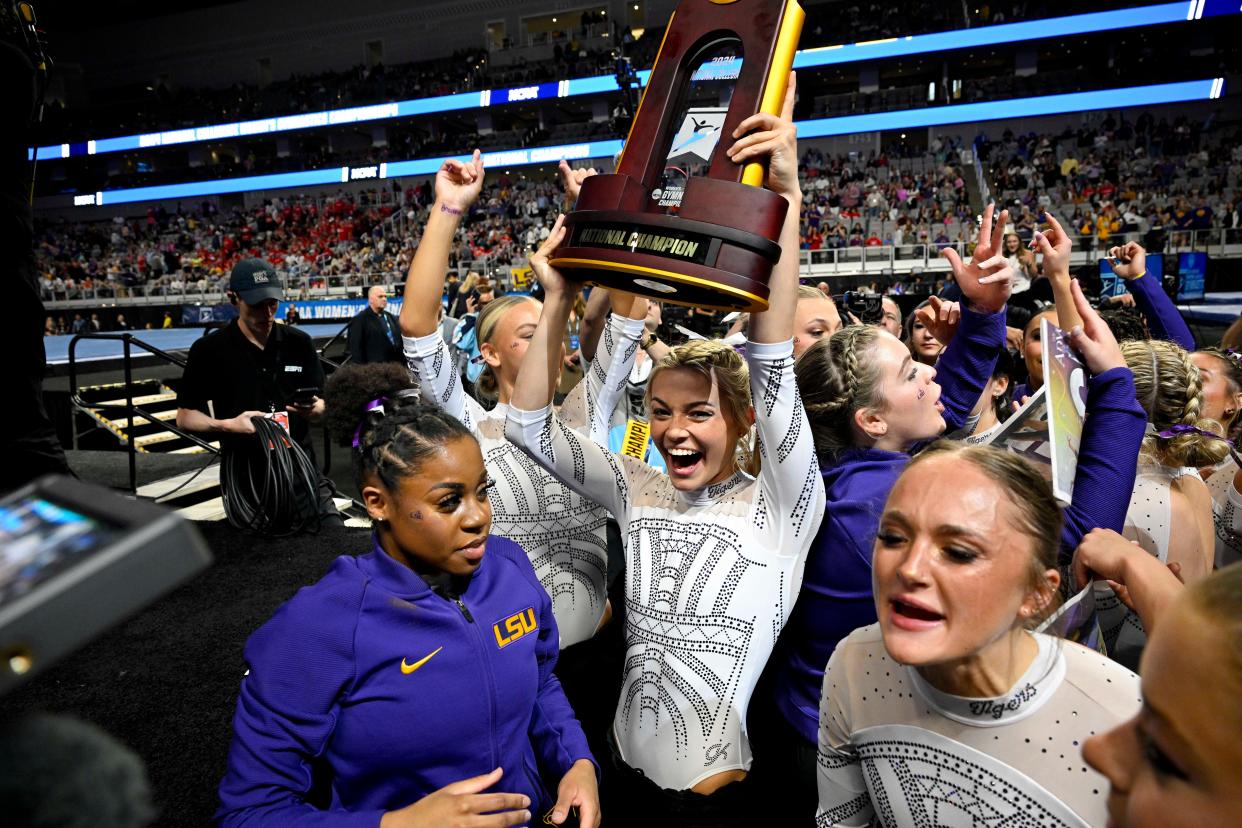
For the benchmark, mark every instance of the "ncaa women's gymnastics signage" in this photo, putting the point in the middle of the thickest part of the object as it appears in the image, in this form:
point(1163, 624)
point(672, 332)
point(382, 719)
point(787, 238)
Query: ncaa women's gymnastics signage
point(320, 311)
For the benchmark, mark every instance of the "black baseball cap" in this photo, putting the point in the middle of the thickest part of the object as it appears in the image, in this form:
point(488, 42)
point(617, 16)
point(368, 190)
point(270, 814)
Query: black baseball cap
point(255, 281)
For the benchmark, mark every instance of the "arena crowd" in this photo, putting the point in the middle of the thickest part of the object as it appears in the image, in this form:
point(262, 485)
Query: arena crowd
point(800, 575)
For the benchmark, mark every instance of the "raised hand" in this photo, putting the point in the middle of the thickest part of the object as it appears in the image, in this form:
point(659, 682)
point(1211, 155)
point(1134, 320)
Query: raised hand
point(775, 138)
point(458, 185)
point(463, 805)
point(572, 179)
point(1140, 581)
point(1129, 261)
point(1013, 338)
point(1093, 340)
point(549, 277)
point(985, 280)
point(941, 318)
point(1055, 244)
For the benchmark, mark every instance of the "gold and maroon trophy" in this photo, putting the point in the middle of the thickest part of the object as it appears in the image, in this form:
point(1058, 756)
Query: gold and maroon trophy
point(679, 221)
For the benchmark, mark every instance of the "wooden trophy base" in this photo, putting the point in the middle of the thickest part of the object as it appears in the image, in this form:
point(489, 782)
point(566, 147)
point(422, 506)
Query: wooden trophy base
point(716, 253)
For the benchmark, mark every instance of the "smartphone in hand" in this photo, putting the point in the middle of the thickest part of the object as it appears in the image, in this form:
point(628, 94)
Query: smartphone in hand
point(305, 396)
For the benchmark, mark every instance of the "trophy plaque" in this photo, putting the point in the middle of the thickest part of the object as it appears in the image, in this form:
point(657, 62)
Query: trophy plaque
point(679, 221)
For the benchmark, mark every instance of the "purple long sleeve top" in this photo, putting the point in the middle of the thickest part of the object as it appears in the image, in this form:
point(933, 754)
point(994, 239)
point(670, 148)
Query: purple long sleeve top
point(1163, 318)
point(836, 597)
point(401, 691)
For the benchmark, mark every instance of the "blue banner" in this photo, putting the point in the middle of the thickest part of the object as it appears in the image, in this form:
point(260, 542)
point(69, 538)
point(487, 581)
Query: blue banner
point(317, 311)
point(195, 315)
point(1192, 277)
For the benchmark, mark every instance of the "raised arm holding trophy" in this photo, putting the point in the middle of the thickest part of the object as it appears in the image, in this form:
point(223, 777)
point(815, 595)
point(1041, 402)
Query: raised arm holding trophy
point(680, 220)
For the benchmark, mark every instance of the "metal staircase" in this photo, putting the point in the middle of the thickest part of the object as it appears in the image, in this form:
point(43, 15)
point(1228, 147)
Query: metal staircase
point(142, 415)
point(107, 406)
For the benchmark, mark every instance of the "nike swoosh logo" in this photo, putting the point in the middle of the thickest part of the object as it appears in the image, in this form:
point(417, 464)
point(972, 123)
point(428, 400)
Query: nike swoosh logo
point(409, 668)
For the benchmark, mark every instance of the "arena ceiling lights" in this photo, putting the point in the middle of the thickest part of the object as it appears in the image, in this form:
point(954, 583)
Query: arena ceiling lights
point(1163, 13)
point(1100, 100)
point(1105, 99)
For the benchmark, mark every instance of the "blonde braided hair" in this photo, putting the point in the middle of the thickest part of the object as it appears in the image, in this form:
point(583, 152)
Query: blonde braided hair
point(835, 381)
point(1170, 388)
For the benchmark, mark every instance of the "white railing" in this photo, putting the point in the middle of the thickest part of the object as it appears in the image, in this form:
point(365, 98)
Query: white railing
point(297, 288)
point(985, 192)
point(912, 258)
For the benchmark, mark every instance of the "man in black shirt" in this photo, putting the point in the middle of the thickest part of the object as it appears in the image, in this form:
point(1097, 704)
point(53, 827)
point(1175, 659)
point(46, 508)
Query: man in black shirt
point(374, 335)
point(253, 367)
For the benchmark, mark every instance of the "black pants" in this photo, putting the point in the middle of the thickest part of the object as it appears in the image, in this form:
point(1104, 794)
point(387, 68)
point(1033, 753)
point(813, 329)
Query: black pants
point(784, 767)
point(634, 800)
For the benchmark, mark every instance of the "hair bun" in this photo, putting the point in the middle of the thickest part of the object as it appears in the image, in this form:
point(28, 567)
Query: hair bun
point(351, 389)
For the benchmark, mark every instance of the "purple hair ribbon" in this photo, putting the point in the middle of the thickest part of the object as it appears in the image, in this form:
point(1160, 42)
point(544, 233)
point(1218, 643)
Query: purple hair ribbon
point(374, 405)
point(1178, 430)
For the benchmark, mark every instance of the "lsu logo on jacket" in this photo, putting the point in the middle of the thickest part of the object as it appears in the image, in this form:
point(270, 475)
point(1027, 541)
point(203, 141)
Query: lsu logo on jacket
point(515, 626)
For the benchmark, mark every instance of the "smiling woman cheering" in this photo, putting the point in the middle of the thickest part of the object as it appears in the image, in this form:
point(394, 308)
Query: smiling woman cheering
point(414, 683)
point(714, 548)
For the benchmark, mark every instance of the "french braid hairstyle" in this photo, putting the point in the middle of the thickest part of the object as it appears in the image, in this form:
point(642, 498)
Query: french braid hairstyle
point(718, 361)
point(1170, 389)
point(836, 378)
point(1231, 370)
point(376, 409)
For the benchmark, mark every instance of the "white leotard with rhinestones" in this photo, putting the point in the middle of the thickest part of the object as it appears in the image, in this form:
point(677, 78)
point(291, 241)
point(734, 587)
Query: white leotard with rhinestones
point(895, 751)
point(711, 575)
point(1226, 513)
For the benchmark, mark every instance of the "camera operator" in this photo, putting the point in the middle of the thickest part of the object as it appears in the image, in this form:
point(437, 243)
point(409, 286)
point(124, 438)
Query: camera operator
point(253, 367)
point(31, 447)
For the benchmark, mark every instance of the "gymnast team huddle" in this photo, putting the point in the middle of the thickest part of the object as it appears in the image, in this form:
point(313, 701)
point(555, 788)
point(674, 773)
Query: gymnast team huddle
point(831, 592)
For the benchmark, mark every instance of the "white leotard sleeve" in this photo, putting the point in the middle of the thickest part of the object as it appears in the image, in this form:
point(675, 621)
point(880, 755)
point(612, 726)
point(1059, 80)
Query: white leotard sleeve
point(791, 486)
point(843, 797)
point(581, 464)
point(590, 410)
point(1226, 513)
point(430, 360)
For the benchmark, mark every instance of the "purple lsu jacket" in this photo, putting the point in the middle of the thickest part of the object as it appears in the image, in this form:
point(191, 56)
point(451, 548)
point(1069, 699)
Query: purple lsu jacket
point(400, 691)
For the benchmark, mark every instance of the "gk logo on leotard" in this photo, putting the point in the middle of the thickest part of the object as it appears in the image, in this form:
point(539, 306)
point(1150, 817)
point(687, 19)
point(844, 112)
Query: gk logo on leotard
point(716, 753)
point(515, 626)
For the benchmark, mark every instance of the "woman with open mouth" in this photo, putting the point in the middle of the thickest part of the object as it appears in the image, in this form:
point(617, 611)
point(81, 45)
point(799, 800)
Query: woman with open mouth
point(714, 548)
point(870, 406)
point(950, 711)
